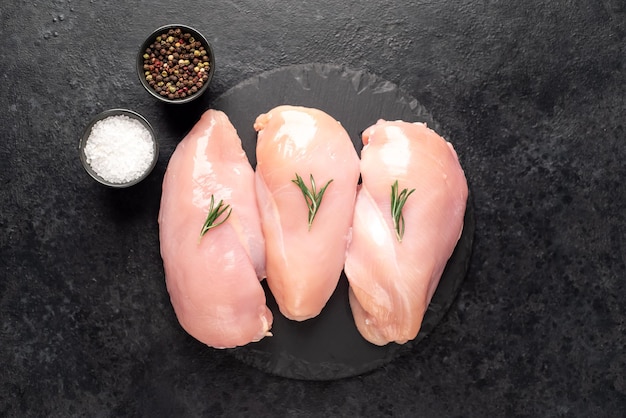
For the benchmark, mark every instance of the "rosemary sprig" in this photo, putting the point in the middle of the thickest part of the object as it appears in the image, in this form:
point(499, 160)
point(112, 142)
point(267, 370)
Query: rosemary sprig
point(214, 213)
point(397, 203)
point(312, 197)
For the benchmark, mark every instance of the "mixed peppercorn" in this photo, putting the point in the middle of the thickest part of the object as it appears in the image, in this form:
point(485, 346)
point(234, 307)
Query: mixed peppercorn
point(176, 65)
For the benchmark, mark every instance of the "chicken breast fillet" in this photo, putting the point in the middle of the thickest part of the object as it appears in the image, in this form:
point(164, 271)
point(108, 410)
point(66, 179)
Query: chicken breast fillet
point(213, 280)
point(304, 261)
point(393, 281)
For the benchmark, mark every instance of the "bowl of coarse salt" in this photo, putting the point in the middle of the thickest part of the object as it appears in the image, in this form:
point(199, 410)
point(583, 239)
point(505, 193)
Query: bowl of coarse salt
point(119, 148)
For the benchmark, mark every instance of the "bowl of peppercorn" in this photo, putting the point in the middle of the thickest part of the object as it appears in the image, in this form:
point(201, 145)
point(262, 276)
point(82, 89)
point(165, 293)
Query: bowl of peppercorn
point(175, 64)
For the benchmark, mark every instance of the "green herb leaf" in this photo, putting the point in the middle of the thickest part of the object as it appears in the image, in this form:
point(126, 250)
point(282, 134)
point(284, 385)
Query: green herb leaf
point(397, 203)
point(214, 213)
point(312, 197)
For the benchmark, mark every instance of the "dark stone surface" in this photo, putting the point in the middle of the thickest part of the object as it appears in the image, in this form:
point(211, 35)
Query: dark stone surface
point(329, 346)
point(532, 93)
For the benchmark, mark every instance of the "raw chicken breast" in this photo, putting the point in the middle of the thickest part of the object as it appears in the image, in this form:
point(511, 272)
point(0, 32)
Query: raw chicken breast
point(213, 280)
point(304, 264)
point(392, 282)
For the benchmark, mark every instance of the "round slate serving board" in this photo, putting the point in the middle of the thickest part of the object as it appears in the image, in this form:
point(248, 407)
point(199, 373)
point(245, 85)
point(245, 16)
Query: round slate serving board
point(329, 346)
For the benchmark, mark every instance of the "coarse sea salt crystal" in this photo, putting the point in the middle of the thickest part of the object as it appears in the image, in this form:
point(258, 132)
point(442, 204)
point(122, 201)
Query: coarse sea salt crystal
point(119, 149)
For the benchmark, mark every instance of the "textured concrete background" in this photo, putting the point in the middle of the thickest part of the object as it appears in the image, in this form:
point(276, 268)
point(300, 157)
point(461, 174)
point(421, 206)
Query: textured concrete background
point(533, 94)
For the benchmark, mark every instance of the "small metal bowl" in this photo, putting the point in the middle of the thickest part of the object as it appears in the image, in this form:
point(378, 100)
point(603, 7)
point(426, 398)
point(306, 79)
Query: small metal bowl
point(87, 132)
point(152, 38)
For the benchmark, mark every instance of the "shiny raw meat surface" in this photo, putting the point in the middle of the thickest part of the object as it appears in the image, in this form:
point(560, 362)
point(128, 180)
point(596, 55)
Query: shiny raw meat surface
point(213, 281)
point(304, 265)
point(392, 282)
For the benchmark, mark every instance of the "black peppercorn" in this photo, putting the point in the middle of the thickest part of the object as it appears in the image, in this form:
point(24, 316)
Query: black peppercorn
point(176, 65)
